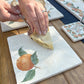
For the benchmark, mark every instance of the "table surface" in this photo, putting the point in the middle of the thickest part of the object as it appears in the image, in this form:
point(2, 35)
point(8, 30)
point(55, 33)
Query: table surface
point(73, 76)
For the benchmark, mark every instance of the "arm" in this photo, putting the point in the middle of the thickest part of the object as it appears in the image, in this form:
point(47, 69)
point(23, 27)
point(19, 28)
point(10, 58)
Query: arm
point(32, 10)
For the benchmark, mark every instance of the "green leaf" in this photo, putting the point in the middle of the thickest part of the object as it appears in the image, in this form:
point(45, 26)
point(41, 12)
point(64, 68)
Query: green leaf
point(21, 52)
point(29, 75)
point(78, 7)
point(50, 9)
point(49, 15)
point(11, 22)
point(83, 17)
point(34, 58)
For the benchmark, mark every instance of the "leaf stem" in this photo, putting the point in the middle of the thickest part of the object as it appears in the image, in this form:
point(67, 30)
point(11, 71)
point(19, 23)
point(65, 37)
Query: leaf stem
point(37, 67)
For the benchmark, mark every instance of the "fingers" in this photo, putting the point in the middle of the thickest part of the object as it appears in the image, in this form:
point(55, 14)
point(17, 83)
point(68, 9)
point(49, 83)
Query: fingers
point(33, 13)
point(41, 20)
point(46, 20)
point(12, 9)
point(12, 17)
point(36, 25)
point(31, 16)
point(31, 29)
point(45, 14)
point(8, 16)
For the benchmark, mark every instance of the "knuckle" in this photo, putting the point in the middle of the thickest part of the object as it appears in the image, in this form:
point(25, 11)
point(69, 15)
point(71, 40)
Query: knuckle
point(41, 18)
point(46, 15)
point(35, 19)
point(29, 5)
point(43, 28)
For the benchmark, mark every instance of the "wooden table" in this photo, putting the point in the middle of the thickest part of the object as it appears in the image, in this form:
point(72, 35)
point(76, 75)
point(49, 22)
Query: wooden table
point(73, 76)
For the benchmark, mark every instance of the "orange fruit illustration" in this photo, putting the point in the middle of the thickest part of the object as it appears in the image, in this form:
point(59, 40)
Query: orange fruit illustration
point(20, 20)
point(24, 62)
point(76, 36)
point(81, 14)
point(79, 35)
point(65, 26)
point(77, 10)
point(68, 31)
point(69, 26)
point(69, 4)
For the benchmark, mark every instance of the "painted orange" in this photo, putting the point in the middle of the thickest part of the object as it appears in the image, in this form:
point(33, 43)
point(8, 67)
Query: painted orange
point(77, 10)
point(73, 32)
point(24, 62)
point(65, 26)
point(81, 14)
point(20, 20)
point(69, 26)
point(76, 36)
point(79, 35)
point(68, 31)
point(69, 4)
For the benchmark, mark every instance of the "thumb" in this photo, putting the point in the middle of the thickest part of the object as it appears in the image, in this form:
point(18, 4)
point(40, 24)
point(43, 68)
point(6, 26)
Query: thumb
point(10, 16)
point(13, 9)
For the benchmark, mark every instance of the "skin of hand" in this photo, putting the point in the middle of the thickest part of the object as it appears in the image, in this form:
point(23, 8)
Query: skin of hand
point(32, 11)
point(8, 12)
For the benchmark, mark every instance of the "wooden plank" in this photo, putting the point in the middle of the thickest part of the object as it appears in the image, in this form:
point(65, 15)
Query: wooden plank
point(23, 30)
point(78, 47)
point(3, 64)
point(75, 76)
point(1, 45)
point(56, 79)
point(7, 69)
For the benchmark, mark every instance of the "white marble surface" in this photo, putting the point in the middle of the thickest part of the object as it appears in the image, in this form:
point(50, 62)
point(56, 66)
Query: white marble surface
point(51, 62)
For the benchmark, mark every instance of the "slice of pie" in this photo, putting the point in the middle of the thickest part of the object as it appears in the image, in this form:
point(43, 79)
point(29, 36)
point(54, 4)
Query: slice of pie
point(43, 40)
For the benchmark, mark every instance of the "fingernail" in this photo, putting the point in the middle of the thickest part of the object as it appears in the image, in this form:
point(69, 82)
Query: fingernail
point(17, 11)
point(40, 32)
point(44, 32)
point(46, 29)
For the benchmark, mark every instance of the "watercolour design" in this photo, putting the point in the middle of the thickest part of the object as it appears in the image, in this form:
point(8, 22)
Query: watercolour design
point(74, 6)
point(75, 29)
point(48, 61)
point(27, 62)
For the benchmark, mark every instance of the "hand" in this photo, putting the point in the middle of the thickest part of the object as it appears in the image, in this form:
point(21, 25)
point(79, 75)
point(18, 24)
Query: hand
point(32, 11)
point(7, 12)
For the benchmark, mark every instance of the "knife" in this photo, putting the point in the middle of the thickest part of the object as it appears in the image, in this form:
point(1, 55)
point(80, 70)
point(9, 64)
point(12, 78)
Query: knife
point(22, 17)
